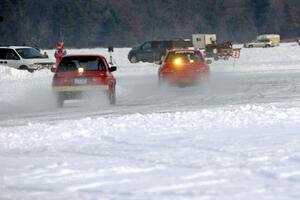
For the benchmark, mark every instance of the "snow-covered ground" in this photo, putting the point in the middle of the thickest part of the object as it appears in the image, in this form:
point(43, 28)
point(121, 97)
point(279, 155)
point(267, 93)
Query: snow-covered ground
point(234, 137)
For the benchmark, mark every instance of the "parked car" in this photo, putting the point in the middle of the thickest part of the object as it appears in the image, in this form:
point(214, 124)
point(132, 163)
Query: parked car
point(153, 51)
point(275, 38)
point(79, 74)
point(183, 67)
point(264, 42)
point(24, 58)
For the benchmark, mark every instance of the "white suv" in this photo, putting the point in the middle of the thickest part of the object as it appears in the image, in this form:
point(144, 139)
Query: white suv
point(265, 42)
point(24, 58)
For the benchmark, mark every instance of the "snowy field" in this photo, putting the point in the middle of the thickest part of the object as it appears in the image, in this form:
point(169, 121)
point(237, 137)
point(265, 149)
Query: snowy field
point(234, 137)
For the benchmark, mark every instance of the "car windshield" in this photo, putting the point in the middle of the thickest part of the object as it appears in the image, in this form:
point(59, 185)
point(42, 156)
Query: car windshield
point(186, 56)
point(88, 63)
point(28, 53)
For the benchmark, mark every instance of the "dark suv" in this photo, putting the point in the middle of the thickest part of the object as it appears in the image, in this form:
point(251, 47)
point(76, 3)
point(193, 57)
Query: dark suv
point(153, 51)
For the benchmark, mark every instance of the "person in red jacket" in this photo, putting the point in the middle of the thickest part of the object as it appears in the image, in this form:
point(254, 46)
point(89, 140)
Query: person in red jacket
point(59, 52)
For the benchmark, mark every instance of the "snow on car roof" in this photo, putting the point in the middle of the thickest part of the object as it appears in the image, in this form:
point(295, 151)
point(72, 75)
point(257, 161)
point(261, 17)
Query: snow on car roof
point(184, 50)
point(16, 47)
point(83, 55)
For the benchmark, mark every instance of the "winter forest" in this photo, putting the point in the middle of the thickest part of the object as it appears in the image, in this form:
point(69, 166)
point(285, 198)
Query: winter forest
point(82, 23)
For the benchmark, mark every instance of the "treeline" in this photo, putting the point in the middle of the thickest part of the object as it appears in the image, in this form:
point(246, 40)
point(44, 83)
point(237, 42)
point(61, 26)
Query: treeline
point(82, 23)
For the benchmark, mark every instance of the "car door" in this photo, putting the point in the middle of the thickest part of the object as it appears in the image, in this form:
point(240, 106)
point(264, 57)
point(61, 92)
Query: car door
point(260, 43)
point(163, 48)
point(9, 58)
point(146, 52)
point(266, 42)
point(159, 49)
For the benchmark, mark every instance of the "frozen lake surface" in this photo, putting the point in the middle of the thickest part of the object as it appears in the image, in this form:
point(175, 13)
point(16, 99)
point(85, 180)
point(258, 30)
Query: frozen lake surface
point(233, 137)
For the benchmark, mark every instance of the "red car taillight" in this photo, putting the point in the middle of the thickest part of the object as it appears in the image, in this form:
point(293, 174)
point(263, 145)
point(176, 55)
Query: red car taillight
point(167, 69)
point(97, 80)
point(100, 79)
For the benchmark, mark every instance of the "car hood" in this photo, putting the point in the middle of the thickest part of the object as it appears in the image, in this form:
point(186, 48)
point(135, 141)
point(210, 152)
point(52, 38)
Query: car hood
point(42, 61)
point(135, 48)
point(252, 42)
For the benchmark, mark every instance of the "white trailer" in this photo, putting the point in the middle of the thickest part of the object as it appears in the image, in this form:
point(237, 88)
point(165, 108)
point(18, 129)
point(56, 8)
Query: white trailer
point(201, 40)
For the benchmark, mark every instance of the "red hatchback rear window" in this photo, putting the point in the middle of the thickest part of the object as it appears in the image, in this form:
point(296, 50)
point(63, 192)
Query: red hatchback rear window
point(88, 63)
point(187, 56)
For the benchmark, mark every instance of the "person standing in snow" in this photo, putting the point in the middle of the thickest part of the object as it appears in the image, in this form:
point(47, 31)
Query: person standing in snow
point(59, 52)
point(298, 41)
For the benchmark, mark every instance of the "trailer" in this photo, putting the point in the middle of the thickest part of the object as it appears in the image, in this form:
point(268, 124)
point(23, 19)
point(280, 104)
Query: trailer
point(200, 41)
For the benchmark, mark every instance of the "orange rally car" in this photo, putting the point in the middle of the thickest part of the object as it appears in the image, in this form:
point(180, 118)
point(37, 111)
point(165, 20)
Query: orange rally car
point(183, 67)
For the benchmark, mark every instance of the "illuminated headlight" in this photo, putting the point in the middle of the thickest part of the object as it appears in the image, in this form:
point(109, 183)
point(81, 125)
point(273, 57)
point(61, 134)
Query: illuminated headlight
point(80, 70)
point(178, 61)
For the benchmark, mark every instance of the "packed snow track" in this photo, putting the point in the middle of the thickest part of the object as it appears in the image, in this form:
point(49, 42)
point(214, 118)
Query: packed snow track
point(235, 136)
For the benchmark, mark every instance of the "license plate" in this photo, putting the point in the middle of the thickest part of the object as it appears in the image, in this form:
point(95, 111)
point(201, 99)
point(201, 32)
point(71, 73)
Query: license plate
point(80, 81)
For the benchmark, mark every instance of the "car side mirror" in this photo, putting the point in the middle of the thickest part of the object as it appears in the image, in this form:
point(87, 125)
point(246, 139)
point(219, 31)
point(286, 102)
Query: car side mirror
point(208, 62)
point(53, 69)
point(113, 68)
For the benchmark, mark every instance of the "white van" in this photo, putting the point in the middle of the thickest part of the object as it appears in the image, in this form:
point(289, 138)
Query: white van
point(24, 58)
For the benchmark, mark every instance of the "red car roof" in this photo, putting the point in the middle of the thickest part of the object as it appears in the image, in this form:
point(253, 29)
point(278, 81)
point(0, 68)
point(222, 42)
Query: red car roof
point(184, 50)
point(83, 55)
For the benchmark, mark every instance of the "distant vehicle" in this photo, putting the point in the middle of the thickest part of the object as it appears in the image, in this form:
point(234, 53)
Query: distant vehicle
point(78, 74)
point(219, 50)
point(202, 40)
point(153, 51)
point(266, 40)
point(275, 38)
point(260, 43)
point(183, 67)
point(24, 58)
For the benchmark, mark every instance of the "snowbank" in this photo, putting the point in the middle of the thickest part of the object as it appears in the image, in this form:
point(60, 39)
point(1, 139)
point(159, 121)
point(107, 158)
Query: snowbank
point(238, 153)
point(12, 74)
point(31, 89)
point(218, 119)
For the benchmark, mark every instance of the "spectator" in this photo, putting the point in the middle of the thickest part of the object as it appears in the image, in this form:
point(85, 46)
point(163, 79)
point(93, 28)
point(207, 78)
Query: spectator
point(59, 52)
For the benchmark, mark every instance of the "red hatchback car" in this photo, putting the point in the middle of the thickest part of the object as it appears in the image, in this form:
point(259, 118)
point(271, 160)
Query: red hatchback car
point(183, 67)
point(77, 74)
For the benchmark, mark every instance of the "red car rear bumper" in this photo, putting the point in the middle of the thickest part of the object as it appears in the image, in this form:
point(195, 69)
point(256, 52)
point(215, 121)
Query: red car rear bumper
point(80, 88)
point(182, 77)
